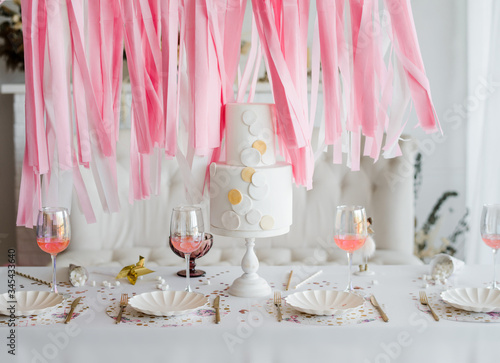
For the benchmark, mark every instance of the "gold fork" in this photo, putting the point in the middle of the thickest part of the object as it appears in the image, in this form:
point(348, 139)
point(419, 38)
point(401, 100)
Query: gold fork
point(424, 301)
point(123, 304)
point(277, 302)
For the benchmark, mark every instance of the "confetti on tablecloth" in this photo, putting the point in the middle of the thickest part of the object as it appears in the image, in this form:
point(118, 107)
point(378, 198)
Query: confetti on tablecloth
point(363, 314)
point(57, 315)
point(445, 311)
point(204, 315)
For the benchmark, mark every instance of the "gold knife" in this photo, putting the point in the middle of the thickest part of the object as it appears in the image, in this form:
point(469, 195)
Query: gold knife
point(73, 306)
point(377, 306)
point(217, 309)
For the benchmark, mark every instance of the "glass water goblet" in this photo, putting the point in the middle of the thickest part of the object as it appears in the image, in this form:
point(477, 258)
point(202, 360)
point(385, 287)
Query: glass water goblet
point(490, 233)
point(350, 233)
point(53, 233)
point(186, 232)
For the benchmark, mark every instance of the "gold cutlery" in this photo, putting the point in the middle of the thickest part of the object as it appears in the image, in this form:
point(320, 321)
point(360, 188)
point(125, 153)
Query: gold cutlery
point(379, 308)
point(289, 280)
point(217, 309)
point(123, 305)
point(424, 301)
point(72, 309)
point(277, 302)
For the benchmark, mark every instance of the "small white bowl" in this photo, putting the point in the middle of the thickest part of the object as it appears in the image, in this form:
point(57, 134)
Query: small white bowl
point(168, 303)
point(29, 302)
point(324, 302)
point(478, 300)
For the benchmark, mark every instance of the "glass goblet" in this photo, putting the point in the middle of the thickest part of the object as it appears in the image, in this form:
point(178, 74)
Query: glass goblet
point(350, 233)
point(490, 233)
point(53, 233)
point(187, 232)
point(205, 246)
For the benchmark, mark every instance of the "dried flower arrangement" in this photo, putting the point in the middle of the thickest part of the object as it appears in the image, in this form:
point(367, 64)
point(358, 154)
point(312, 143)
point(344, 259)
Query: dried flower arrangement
point(427, 240)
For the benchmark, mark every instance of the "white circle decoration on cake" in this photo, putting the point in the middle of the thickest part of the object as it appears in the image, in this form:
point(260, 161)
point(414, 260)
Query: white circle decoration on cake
point(234, 196)
point(248, 117)
point(259, 179)
point(250, 157)
point(258, 193)
point(267, 159)
point(230, 220)
point(267, 222)
point(253, 217)
point(255, 128)
point(244, 207)
point(213, 169)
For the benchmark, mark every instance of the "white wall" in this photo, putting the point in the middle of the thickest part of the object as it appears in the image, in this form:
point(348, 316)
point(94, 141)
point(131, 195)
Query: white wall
point(441, 28)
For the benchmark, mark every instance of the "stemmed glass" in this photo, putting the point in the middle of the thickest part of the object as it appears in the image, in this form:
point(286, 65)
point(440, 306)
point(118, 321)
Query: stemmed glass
point(350, 232)
point(53, 233)
point(490, 232)
point(186, 232)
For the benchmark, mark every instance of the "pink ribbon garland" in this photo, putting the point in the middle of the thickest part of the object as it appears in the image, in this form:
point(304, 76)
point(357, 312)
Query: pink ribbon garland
point(161, 37)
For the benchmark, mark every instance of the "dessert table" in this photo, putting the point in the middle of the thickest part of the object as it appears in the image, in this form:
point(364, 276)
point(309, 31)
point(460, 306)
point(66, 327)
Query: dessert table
point(249, 330)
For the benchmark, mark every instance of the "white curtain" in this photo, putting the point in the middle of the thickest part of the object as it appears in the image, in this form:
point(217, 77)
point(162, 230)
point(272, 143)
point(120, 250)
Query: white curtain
point(483, 110)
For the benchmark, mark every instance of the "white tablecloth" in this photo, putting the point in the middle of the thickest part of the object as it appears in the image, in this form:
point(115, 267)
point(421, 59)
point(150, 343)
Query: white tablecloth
point(249, 332)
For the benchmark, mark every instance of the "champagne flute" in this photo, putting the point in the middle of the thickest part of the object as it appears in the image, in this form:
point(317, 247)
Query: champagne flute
point(53, 233)
point(186, 232)
point(350, 232)
point(490, 233)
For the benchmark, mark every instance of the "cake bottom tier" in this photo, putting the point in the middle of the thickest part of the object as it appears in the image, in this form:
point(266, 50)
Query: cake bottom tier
point(250, 202)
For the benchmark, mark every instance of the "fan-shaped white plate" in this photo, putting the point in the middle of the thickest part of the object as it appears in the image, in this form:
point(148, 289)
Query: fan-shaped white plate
point(324, 302)
point(29, 302)
point(478, 300)
point(168, 303)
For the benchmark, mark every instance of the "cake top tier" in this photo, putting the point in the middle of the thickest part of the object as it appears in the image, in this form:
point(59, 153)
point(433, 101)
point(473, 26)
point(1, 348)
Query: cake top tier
point(250, 134)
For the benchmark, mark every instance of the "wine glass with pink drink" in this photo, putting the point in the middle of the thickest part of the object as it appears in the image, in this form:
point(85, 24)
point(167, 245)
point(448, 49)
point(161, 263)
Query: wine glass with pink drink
point(490, 232)
point(53, 233)
point(186, 232)
point(350, 232)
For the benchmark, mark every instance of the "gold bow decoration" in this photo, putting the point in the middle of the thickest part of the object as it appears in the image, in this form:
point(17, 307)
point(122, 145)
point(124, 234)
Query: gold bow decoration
point(132, 272)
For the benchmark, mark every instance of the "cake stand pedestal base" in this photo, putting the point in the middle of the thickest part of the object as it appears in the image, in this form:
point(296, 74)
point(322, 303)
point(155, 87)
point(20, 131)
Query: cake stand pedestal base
point(250, 284)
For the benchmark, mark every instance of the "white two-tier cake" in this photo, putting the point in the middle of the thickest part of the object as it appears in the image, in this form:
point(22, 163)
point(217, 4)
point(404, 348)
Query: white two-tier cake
point(250, 193)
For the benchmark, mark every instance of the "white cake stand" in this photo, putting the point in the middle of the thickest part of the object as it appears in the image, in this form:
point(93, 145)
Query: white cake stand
point(250, 284)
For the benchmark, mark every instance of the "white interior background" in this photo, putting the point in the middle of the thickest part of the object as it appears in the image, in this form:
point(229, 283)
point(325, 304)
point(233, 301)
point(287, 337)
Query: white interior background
point(451, 37)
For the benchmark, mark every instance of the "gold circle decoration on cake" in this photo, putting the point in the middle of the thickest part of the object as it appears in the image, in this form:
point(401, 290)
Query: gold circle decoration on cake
point(267, 222)
point(261, 146)
point(234, 196)
point(246, 174)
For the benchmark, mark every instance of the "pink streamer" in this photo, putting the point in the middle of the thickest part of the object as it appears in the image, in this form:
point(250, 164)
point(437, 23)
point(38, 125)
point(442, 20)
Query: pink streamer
point(292, 125)
point(408, 51)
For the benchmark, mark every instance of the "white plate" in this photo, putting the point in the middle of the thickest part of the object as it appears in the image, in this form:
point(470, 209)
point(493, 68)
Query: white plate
point(168, 303)
point(29, 302)
point(478, 300)
point(324, 302)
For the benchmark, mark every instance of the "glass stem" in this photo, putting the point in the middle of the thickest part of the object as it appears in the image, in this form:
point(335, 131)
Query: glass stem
point(188, 272)
point(349, 262)
point(54, 282)
point(494, 284)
